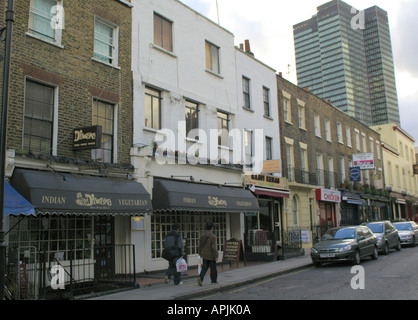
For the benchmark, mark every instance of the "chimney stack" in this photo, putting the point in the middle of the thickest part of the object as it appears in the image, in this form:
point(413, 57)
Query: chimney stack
point(248, 48)
point(280, 74)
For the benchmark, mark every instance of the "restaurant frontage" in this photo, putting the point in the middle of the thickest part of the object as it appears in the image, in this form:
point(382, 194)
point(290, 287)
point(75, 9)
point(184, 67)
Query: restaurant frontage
point(191, 205)
point(77, 222)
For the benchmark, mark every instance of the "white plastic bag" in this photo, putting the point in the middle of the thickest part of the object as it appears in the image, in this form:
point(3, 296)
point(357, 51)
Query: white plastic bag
point(199, 266)
point(181, 265)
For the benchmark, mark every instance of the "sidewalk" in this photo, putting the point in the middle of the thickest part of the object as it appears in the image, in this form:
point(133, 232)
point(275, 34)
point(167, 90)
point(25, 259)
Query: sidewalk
point(228, 277)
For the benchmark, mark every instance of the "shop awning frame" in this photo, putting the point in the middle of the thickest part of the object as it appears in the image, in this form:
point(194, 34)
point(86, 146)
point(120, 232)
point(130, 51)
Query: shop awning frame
point(174, 195)
point(15, 204)
point(71, 194)
point(273, 192)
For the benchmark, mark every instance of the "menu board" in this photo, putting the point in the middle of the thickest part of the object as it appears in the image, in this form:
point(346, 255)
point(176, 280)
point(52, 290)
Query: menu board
point(232, 251)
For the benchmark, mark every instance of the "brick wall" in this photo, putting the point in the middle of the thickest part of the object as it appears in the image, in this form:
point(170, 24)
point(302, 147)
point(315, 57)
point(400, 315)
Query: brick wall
point(72, 70)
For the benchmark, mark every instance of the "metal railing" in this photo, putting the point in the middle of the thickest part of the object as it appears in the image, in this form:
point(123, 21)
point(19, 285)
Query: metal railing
point(32, 274)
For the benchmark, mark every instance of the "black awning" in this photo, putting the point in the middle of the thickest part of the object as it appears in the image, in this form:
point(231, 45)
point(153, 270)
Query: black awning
point(171, 195)
point(62, 193)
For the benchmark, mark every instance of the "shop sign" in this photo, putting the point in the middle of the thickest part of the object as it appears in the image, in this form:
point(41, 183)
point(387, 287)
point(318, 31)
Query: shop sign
point(364, 160)
point(415, 168)
point(87, 138)
point(355, 174)
point(265, 181)
point(271, 166)
point(328, 195)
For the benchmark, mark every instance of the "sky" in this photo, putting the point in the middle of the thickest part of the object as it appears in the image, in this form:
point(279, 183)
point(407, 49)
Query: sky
point(268, 24)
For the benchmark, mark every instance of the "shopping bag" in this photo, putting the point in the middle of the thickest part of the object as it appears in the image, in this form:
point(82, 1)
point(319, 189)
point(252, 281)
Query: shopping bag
point(199, 266)
point(181, 265)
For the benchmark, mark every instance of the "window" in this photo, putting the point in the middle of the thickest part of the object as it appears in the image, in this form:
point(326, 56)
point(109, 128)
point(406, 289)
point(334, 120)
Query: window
point(320, 169)
point(152, 108)
point(286, 110)
point(248, 147)
point(223, 128)
point(357, 139)
point(212, 58)
point(295, 210)
point(331, 179)
point(290, 164)
point(46, 19)
point(317, 124)
point(39, 118)
point(192, 118)
point(105, 41)
point(340, 132)
point(390, 173)
point(269, 150)
point(103, 115)
point(301, 114)
point(266, 101)
point(163, 36)
point(342, 169)
point(304, 165)
point(348, 136)
point(328, 130)
point(246, 93)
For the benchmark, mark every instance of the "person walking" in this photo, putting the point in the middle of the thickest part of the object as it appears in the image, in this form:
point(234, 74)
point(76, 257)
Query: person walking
point(209, 253)
point(173, 240)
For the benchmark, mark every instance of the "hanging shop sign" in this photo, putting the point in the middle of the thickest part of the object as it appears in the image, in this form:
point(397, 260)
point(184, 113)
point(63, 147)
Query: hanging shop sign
point(87, 138)
point(363, 160)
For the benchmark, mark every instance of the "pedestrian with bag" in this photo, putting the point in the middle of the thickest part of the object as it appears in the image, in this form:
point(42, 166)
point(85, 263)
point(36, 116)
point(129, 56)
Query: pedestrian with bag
point(173, 250)
point(209, 253)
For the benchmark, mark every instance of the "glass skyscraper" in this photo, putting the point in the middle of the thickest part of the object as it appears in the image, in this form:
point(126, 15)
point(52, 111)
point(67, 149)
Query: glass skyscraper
point(345, 56)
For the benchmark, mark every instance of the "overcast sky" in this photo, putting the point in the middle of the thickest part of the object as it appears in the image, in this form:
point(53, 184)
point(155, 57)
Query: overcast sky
point(268, 24)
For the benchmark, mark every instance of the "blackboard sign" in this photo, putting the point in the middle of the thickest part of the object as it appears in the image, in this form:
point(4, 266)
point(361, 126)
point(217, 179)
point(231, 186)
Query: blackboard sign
point(232, 251)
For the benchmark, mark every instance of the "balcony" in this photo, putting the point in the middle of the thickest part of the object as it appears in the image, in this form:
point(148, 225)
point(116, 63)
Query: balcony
point(322, 178)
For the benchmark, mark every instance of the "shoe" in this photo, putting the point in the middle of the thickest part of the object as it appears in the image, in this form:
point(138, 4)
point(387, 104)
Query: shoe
point(166, 279)
point(215, 282)
point(179, 284)
point(199, 281)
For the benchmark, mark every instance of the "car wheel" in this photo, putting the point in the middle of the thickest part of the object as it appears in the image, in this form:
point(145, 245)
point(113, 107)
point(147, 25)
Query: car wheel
point(375, 253)
point(356, 260)
point(386, 249)
point(399, 246)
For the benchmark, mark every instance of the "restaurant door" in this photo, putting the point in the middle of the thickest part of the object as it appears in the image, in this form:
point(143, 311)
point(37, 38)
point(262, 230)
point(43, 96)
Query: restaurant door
point(104, 247)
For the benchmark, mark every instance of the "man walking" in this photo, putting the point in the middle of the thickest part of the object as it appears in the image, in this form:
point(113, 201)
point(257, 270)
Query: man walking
point(209, 253)
point(174, 241)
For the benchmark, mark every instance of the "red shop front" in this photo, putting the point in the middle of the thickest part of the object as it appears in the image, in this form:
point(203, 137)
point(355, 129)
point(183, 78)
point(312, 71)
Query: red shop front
point(327, 206)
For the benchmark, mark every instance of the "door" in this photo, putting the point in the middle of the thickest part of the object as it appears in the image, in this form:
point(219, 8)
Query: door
point(104, 249)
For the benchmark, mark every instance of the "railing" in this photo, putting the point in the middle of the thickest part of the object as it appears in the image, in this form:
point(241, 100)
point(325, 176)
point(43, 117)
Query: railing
point(324, 178)
point(32, 274)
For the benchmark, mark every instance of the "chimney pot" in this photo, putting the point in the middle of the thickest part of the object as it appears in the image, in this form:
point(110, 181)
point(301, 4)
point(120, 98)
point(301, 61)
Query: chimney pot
point(247, 46)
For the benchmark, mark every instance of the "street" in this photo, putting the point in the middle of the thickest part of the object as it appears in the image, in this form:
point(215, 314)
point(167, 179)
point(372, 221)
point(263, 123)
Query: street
point(390, 277)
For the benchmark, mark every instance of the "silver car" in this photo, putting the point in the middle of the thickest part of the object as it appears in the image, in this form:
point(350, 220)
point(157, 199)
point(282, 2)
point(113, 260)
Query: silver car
point(387, 235)
point(408, 232)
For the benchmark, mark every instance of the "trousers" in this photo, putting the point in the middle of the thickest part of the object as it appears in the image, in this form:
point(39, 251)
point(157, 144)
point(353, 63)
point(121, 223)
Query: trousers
point(213, 271)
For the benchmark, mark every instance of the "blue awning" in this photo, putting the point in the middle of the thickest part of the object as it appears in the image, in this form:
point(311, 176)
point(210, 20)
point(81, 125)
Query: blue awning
point(15, 204)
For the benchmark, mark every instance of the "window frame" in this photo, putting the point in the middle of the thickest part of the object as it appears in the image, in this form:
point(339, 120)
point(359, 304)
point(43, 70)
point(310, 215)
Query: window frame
point(148, 93)
point(189, 106)
point(161, 43)
point(222, 118)
point(114, 58)
point(211, 51)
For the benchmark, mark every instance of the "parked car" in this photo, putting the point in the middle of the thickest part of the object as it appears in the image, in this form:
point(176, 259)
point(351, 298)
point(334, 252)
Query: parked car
point(387, 235)
point(408, 232)
point(345, 244)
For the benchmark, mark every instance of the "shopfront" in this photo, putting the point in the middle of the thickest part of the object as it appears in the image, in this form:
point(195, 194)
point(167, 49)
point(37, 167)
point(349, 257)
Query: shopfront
point(264, 230)
point(77, 220)
point(352, 208)
point(328, 207)
point(191, 205)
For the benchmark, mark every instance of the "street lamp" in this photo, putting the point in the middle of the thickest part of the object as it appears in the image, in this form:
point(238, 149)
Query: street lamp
point(5, 102)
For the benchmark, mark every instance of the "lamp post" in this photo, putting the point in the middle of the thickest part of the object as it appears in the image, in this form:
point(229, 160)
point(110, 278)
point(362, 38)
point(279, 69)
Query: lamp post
point(5, 102)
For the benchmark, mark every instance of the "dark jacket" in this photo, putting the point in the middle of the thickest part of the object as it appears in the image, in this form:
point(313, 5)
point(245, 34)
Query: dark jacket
point(170, 242)
point(207, 246)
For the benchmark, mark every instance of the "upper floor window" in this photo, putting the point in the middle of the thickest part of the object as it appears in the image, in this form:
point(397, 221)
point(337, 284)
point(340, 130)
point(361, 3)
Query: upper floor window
point(152, 108)
point(246, 92)
point(192, 117)
point(46, 19)
point(348, 136)
point(103, 115)
point(212, 57)
point(38, 123)
point(286, 110)
point(223, 128)
point(301, 115)
point(105, 41)
point(340, 132)
point(317, 124)
point(269, 148)
point(163, 34)
point(266, 101)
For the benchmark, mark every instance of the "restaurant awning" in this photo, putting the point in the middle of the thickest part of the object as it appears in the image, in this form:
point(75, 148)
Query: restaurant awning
point(14, 203)
point(174, 195)
point(64, 193)
point(273, 192)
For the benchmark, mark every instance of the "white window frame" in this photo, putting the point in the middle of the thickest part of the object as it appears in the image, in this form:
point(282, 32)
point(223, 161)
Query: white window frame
point(348, 136)
point(317, 124)
point(114, 57)
point(212, 53)
point(328, 130)
point(56, 15)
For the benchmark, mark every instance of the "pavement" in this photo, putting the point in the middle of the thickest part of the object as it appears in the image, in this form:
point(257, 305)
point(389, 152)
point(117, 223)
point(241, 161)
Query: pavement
point(153, 287)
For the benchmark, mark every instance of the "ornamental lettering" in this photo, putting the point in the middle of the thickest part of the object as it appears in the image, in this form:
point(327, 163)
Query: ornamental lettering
point(80, 135)
point(53, 200)
point(214, 201)
point(133, 202)
point(90, 200)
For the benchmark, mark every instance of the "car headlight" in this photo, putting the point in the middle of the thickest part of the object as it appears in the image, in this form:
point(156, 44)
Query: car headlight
point(314, 250)
point(379, 238)
point(346, 248)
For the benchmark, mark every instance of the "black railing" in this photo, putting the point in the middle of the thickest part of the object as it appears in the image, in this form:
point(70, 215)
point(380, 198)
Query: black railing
point(35, 275)
point(324, 178)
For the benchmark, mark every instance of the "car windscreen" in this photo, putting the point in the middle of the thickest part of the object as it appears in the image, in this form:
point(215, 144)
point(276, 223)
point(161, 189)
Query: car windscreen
point(349, 233)
point(403, 226)
point(376, 227)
